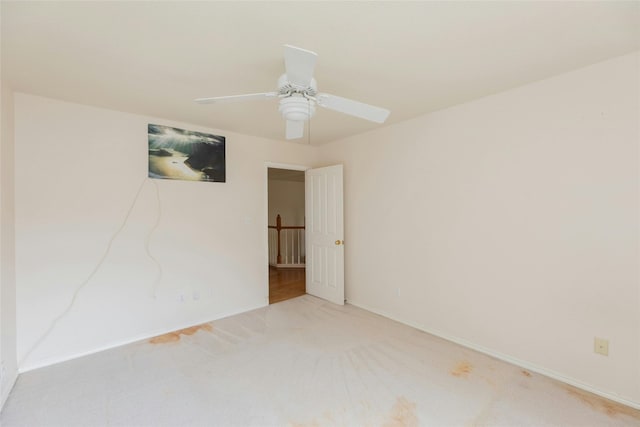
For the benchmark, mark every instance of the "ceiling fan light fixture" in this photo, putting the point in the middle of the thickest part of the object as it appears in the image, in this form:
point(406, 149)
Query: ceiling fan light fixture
point(297, 108)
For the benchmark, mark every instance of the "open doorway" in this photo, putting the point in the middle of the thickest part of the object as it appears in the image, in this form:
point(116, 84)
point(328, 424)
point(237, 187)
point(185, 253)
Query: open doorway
point(286, 228)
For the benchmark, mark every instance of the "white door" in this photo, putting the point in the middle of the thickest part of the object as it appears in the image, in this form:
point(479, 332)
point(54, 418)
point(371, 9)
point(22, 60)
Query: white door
point(325, 233)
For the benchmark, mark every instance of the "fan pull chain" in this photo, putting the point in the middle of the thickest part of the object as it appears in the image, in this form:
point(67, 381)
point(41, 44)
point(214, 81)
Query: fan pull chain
point(309, 124)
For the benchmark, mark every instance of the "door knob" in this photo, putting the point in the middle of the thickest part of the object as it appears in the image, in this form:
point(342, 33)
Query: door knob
point(339, 242)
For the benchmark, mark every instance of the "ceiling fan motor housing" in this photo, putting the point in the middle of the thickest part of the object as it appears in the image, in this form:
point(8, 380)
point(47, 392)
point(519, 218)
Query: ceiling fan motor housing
point(296, 103)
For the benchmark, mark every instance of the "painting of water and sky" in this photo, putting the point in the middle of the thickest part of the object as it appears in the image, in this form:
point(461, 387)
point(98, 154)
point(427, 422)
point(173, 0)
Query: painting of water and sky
point(185, 155)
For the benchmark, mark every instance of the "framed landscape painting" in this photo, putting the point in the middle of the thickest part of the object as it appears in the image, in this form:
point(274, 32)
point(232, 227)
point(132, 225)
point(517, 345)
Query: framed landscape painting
point(186, 155)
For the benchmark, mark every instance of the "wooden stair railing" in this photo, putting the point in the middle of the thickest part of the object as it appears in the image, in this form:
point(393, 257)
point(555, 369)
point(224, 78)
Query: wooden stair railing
point(279, 227)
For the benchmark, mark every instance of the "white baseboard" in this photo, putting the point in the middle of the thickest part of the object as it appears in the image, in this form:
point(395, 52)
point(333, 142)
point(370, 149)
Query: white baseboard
point(8, 381)
point(505, 357)
point(290, 266)
point(141, 337)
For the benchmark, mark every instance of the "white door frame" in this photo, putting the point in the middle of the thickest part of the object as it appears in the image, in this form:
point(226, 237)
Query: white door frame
point(265, 244)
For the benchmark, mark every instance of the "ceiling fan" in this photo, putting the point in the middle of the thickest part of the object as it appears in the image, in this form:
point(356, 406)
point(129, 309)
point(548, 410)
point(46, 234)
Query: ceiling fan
point(298, 95)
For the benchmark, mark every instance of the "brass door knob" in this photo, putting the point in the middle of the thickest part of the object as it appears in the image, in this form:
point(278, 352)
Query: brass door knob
point(339, 242)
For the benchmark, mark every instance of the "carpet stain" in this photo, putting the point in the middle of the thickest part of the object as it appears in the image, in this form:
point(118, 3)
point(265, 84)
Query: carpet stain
point(600, 404)
point(403, 414)
point(175, 335)
point(525, 373)
point(462, 369)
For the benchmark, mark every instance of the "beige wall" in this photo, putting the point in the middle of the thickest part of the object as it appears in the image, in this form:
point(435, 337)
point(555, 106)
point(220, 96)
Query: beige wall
point(286, 198)
point(509, 224)
point(8, 364)
point(78, 169)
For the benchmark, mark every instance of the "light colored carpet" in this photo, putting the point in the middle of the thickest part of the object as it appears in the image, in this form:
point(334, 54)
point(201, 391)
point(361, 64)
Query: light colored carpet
point(302, 362)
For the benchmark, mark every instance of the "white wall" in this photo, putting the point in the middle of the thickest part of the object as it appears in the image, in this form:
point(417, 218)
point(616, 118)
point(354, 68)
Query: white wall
point(8, 363)
point(509, 223)
point(78, 169)
point(286, 198)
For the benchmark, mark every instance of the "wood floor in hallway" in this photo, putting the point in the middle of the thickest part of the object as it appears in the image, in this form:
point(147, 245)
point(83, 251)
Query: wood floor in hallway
point(286, 283)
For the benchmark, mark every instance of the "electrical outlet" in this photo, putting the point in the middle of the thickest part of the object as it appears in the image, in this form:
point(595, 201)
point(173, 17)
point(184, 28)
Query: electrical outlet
point(601, 346)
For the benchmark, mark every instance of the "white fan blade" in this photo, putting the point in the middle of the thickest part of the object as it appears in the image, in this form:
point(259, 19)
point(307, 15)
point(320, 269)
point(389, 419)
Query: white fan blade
point(353, 108)
point(299, 65)
point(236, 98)
point(295, 129)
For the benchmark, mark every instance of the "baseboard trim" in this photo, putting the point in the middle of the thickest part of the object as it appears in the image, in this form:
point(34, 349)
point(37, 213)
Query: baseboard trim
point(9, 380)
point(504, 357)
point(52, 361)
point(287, 265)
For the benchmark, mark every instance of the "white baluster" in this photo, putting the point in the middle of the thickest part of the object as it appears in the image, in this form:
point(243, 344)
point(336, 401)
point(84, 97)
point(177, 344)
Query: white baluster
point(286, 247)
point(271, 247)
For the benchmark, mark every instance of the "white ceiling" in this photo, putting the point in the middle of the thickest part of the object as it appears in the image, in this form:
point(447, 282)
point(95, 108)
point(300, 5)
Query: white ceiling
point(154, 58)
